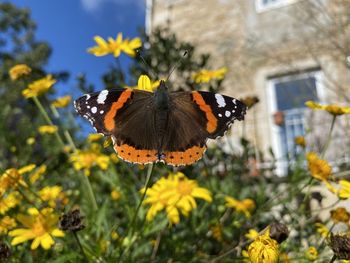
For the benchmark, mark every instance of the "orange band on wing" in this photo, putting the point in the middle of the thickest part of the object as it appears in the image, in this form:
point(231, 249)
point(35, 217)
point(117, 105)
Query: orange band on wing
point(133, 155)
point(212, 121)
point(109, 118)
point(186, 157)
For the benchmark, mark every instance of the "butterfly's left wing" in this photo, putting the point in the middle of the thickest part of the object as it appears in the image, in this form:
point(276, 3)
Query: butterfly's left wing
point(195, 117)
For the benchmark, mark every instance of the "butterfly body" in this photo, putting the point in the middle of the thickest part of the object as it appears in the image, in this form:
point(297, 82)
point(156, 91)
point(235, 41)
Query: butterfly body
point(163, 126)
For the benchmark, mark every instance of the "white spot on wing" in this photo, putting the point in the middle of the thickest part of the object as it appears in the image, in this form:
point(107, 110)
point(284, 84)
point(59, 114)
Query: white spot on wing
point(102, 97)
point(220, 100)
point(87, 96)
point(220, 115)
point(93, 109)
point(227, 113)
point(234, 101)
point(101, 112)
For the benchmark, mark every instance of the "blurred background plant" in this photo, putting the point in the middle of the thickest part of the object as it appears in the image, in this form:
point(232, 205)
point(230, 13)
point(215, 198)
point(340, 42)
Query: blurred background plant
point(68, 198)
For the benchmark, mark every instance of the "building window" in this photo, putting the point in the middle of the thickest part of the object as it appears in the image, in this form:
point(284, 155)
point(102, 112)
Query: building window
point(264, 5)
point(287, 106)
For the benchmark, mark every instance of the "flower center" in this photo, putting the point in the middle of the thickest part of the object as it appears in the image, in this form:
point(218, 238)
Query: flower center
point(184, 188)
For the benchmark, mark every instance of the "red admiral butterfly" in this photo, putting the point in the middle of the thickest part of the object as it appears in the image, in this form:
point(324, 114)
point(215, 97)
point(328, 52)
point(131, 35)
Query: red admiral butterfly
point(171, 127)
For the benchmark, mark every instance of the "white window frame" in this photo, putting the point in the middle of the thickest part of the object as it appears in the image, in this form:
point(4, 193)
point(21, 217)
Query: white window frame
point(281, 163)
point(261, 7)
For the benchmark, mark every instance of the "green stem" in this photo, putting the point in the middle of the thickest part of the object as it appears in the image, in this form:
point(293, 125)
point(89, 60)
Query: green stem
point(80, 246)
point(47, 118)
point(329, 137)
point(149, 175)
point(90, 192)
point(333, 259)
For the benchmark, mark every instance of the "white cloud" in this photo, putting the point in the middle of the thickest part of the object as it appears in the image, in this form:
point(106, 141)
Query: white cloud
point(95, 5)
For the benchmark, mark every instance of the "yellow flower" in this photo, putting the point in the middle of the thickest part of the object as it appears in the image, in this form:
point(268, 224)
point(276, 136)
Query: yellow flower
point(26, 169)
point(204, 75)
point(114, 157)
point(19, 70)
point(93, 137)
point(40, 226)
point(115, 195)
point(333, 109)
point(86, 159)
point(252, 234)
point(62, 102)
point(319, 169)
point(263, 249)
point(311, 253)
point(9, 201)
point(47, 129)
point(322, 229)
point(245, 206)
point(300, 140)
point(37, 173)
point(30, 141)
point(115, 46)
point(6, 224)
point(344, 191)
point(217, 232)
point(11, 178)
point(114, 235)
point(53, 195)
point(39, 87)
point(175, 194)
point(129, 46)
point(144, 83)
point(340, 215)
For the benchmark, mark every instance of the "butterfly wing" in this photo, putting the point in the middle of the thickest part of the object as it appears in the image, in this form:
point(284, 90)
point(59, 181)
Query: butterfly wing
point(195, 117)
point(127, 116)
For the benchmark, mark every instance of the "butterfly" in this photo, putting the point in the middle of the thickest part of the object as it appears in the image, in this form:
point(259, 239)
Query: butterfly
point(160, 126)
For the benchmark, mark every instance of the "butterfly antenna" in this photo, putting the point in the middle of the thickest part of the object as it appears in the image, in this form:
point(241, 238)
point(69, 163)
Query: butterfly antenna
point(177, 64)
point(154, 75)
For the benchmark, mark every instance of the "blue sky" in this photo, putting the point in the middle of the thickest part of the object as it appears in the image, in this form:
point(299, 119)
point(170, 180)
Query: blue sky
point(70, 25)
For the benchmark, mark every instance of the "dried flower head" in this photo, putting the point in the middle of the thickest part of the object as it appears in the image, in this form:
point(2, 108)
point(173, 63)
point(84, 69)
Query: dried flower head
point(341, 246)
point(71, 221)
point(5, 252)
point(279, 232)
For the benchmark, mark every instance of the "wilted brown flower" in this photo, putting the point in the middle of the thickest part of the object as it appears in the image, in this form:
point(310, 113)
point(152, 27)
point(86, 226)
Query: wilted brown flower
point(71, 221)
point(250, 101)
point(279, 232)
point(340, 246)
point(5, 252)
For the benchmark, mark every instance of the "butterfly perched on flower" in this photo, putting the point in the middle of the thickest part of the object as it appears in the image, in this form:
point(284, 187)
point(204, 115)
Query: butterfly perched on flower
point(160, 126)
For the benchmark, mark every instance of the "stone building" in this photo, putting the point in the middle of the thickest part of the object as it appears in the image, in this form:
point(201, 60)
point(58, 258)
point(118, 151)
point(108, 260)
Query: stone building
point(283, 51)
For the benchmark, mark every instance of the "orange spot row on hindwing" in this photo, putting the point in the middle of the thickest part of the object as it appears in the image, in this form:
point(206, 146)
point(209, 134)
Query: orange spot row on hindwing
point(131, 154)
point(109, 118)
point(189, 156)
point(212, 121)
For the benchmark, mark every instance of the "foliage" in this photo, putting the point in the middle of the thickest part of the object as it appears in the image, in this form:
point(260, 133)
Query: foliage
point(222, 209)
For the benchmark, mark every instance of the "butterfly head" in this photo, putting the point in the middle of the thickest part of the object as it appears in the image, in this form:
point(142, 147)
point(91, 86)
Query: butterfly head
point(162, 96)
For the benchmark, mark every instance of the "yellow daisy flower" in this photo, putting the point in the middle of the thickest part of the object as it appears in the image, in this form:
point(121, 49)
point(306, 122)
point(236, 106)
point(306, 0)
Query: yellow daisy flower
point(311, 253)
point(252, 234)
point(115, 45)
point(174, 194)
point(204, 75)
point(344, 191)
point(319, 168)
point(6, 224)
point(62, 102)
point(144, 83)
point(39, 226)
point(340, 214)
point(322, 229)
point(86, 159)
point(115, 195)
point(263, 249)
point(300, 140)
point(246, 206)
point(101, 49)
point(19, 70)
point(53, 195)
point(11, 178)
point(39, 87)
point(129, 46)
point(9, 201)
point(47, 129)
point(330, 108)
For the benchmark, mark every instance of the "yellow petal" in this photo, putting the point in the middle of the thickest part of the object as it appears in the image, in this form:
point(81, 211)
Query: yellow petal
point(144, 83)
